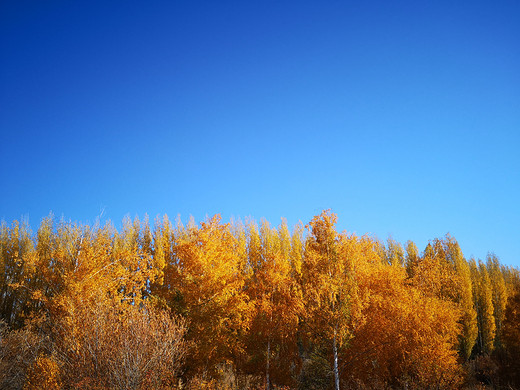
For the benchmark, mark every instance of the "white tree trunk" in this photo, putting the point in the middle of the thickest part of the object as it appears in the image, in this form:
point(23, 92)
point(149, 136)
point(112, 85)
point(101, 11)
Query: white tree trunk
point(336, 369)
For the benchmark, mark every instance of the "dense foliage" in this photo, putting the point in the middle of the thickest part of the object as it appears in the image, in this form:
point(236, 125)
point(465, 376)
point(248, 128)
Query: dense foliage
point(247, 306)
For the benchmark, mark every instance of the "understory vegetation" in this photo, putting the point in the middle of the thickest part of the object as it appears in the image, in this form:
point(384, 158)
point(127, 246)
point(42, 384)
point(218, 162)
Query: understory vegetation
point(250, 306)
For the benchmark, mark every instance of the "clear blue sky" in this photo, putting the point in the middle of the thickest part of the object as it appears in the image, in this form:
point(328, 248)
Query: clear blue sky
point(401, 116)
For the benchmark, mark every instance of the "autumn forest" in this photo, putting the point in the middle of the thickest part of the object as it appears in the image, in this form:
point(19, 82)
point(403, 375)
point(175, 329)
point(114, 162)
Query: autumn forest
point(164, 305)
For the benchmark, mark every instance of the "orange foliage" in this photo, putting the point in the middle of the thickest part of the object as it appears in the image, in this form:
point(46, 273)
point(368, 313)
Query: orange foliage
point(406, 338)
point(226, 306)
point(204, 281)
point(44, 374)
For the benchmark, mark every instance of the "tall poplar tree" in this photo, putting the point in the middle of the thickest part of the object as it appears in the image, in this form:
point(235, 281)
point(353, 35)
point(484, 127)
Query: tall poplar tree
point(468, 320)
point(499, 293)
point(331, 293)
point(412, 258)
point(276, 303)
point(483, 296)
point(204, 282)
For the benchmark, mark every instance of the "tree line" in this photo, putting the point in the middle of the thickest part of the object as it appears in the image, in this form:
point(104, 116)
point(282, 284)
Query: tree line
point(249, 306)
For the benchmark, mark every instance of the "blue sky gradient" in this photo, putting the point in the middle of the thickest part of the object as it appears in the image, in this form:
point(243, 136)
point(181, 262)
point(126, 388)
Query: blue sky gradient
point(403, 117)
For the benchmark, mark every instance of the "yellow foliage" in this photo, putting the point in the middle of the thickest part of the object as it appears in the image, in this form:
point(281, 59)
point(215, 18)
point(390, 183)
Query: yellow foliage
point(44, 374)
point(406, 336)
point(205, 280)
point(259, 304)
